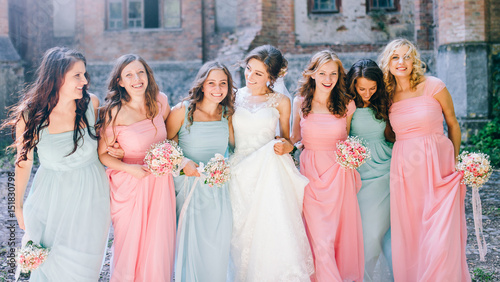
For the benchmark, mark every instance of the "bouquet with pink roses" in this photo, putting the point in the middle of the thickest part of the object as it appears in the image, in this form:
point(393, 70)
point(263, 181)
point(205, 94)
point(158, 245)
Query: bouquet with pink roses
point(352, 153)
point(31, 256)
point(164, 157)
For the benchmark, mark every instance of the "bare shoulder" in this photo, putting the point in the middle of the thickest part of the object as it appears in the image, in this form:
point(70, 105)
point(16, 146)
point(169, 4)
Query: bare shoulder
point(162, 98)
point(282, 99)
point(178, 110)
point(298, 100)
point(95, 100)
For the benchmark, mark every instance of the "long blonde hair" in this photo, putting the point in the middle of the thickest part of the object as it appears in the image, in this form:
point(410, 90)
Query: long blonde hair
point(417, 73)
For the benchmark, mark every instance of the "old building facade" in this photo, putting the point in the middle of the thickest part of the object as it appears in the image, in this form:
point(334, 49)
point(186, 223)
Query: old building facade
point(457, 38)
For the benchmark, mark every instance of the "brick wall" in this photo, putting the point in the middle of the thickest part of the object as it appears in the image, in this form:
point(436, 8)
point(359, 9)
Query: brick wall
point(424, 24)
point(475, 24)
point(285, 27)
point(34, 32)
point(461, 21)
point(493, 24)
point(182, 44)
point(249, 13)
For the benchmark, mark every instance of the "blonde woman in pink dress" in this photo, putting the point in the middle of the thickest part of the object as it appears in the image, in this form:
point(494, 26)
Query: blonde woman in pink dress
point(322, 115)
point(142, 205)
point(427, 200)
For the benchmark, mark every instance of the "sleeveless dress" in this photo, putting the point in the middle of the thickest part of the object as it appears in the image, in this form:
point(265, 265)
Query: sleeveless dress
point(331, 209)
point(373, 197)
point(67, 209)
point(204, 231)
point(142, 210)
point(427, 200)
point(269, 242)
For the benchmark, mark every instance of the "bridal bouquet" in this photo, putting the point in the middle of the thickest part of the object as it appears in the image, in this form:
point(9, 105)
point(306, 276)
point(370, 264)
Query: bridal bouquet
point(476, 169)
point(352, 153)
point(217, 171)
point(164, 157)
point(31, 256)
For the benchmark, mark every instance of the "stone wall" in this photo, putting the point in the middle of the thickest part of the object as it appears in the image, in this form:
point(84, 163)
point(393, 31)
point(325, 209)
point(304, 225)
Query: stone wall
point(353, 25)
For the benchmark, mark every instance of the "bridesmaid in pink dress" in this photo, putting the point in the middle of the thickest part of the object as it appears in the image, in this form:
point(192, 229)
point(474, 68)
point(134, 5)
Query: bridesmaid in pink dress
point(142, 205)
point(321, 117)
point(427, 200)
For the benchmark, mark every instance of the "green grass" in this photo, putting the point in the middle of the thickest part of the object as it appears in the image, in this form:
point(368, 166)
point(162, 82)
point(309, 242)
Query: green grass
point(480, 275)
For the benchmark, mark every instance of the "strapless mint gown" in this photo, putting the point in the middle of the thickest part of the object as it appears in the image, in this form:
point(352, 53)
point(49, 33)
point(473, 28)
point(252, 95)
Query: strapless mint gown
point(373, 197)
point(204, 231)
point(67, 209)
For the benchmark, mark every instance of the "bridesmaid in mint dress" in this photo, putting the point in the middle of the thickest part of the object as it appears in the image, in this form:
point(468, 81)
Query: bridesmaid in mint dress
point(365, 82)
point(202, 126)
point(67, 209)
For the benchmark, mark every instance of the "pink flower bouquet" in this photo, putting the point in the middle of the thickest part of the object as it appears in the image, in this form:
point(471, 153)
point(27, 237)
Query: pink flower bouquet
point(217, 171)
point(31, 256)
point(164, 157)
point(476, 168)
point(351, 153)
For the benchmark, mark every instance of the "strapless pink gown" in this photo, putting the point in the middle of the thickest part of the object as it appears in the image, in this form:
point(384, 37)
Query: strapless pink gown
point(331, 211)
point(427, 200)
point(142, 210)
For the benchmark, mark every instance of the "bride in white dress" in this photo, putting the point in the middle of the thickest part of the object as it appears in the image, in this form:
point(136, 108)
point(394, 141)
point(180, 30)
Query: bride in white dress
point(269, 241)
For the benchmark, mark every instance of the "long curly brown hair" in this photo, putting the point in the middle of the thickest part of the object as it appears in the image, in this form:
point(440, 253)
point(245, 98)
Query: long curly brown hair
point(417, 74)
point(338, 99)
point(117, 95)
point(40, 98)
point(196, 94)
point(379, 101)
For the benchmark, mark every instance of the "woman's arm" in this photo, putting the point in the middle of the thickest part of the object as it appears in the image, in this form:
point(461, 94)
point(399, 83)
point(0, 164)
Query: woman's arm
point(175, 120)
point(164, 103)
point(22, 174)
point(174, 124)
point(296, 135)
point(231, 132)
point(348, 123)
point(389, 133)
point(454, 133)
point(95, 104)
point(285, 146)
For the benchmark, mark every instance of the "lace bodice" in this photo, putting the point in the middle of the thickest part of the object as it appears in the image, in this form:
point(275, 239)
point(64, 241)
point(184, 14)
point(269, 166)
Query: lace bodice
point(254, 121)
point(245, 99)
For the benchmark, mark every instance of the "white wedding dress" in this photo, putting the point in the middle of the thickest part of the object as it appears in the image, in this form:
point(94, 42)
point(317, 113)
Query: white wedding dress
point(269, 241)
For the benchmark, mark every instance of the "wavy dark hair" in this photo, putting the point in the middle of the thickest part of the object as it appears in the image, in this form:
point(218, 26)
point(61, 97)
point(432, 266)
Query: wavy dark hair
point(338, 100)
point(379, 101)
point(117, 94)
point(196, 94)
point(273, 59)
point(40, 98)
